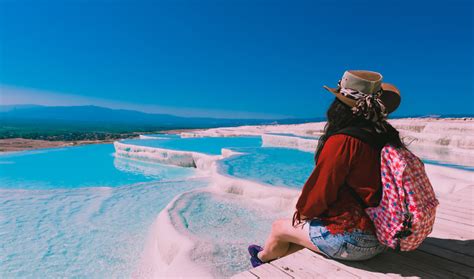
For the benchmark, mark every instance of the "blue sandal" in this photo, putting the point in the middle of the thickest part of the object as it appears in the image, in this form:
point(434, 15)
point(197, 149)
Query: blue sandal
point(253, 251)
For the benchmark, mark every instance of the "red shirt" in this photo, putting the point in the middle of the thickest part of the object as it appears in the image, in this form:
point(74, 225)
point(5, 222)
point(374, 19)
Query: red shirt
point(343, 162)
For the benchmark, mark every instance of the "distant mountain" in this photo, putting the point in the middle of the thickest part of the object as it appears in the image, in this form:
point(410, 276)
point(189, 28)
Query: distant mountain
point(6, 108)
point(85, 114)
point(100, 116)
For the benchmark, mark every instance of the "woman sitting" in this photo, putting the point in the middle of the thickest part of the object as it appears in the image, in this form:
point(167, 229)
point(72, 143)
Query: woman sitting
point(330, 217)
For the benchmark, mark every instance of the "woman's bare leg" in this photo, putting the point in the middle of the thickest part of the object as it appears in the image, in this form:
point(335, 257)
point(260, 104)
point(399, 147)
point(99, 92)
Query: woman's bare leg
point(293, 248)
point(282, 235)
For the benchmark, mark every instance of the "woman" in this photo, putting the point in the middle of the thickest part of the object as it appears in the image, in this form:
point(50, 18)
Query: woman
point(330, 217)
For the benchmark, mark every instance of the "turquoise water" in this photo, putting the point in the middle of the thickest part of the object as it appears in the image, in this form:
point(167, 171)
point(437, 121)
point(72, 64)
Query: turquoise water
point(450, 165)
point(223, 238)
point(78, 211)
point(82, 232)
point(167, 136)
point(74, 167)
point(212, 146)
point(274, 166)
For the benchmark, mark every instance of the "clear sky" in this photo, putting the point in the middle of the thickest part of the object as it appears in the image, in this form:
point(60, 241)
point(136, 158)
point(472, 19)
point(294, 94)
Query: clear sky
point(234, 58)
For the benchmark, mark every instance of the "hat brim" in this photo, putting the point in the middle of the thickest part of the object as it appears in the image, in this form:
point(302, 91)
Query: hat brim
point(390, 97)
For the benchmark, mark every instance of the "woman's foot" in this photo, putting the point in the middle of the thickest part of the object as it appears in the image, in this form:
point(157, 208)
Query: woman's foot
point(253, 251)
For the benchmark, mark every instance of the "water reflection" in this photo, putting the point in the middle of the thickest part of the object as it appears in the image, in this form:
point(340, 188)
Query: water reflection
point(151, 170)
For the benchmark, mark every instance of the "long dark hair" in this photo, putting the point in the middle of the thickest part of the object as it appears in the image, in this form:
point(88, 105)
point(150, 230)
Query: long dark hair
point(340, 116)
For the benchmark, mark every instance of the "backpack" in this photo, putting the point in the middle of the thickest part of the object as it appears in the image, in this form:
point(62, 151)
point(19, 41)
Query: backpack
point(407, 209)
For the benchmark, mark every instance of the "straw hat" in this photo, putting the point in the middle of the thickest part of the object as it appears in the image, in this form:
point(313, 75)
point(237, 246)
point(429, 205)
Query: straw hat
point(357, 84)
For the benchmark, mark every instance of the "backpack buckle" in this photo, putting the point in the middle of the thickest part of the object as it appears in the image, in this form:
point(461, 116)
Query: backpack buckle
point(407, 222)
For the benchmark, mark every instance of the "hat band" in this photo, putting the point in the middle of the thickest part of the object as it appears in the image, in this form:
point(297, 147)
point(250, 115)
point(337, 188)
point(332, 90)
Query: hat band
point(352, 94)
point(368, 106)
point(355, 94)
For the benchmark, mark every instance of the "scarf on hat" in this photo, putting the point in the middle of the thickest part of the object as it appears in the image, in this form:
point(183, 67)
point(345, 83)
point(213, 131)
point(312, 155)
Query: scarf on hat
point(368, 106)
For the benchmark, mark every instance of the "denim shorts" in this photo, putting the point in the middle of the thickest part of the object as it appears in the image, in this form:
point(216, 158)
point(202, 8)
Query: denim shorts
point(353, 246)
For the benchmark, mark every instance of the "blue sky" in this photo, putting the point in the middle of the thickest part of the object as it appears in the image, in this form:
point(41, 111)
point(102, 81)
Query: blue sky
point(234, 58)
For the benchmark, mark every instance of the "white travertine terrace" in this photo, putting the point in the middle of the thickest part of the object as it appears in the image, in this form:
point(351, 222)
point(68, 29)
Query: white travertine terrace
point(308, 145)
point(454, 136)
